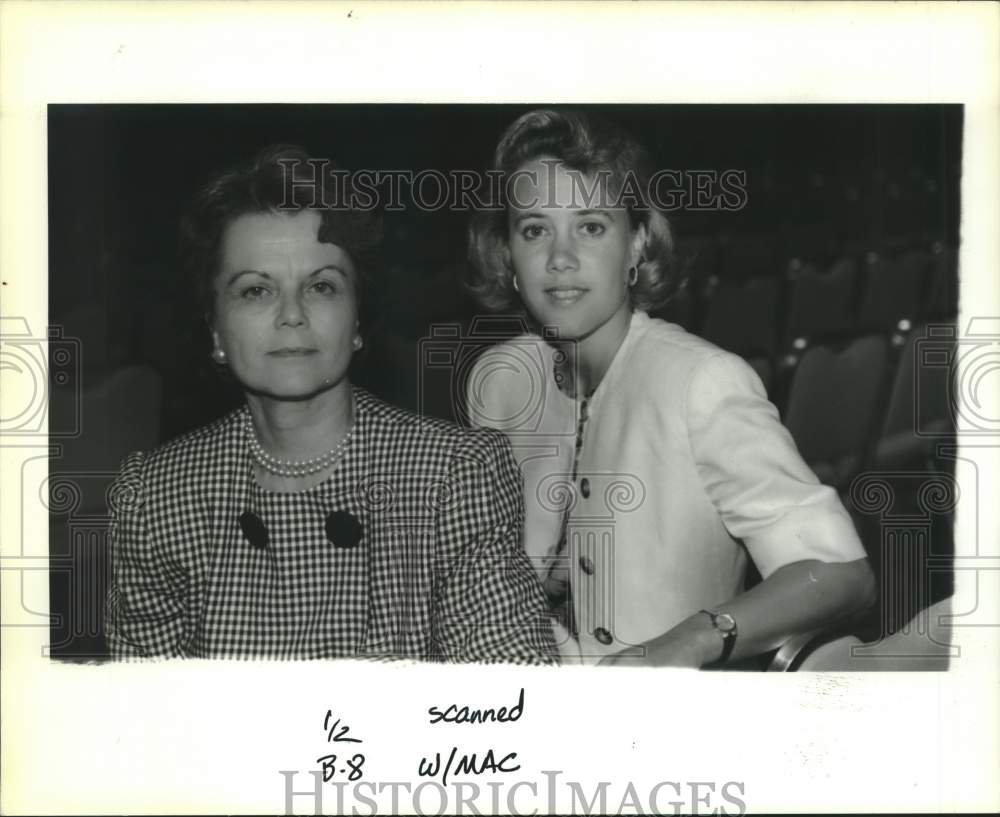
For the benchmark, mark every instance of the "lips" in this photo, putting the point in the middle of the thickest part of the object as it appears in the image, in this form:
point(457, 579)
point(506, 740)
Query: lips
point(292, 351)
point(565, 295)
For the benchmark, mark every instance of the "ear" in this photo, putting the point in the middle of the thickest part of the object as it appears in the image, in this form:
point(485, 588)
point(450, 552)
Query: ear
point(638, 248)
point(215, 337)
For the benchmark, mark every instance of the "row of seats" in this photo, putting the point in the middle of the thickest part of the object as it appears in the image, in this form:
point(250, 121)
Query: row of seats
point(878, 400)
point(848, 201)
point(761, 313)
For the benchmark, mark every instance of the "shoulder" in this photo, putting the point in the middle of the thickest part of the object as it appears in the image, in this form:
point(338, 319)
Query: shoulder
point(506, 387)
point(679, 363)
point(175, 468)
point(191, 452)
point(670, 344)
point(511, 363)
point(397, 428)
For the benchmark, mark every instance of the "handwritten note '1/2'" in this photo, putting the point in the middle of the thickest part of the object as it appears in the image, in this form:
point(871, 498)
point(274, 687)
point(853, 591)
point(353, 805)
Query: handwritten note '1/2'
point(351, 767)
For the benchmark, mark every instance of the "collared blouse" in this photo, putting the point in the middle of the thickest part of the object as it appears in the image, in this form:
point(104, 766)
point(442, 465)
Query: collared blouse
point(683, 470)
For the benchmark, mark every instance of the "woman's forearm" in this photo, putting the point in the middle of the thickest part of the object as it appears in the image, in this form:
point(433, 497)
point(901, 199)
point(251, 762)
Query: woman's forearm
point(797, 598)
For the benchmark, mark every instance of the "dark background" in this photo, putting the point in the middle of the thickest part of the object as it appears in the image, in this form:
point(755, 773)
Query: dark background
point(824, 183)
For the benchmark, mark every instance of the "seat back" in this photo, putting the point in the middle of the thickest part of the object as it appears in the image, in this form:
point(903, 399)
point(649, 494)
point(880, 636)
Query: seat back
point(941, 293)
point(832, 403)
point(119, 414)
point(820, 302)
point(892, 290)
point(741, 317)
point(919, 404)
point(916, 647)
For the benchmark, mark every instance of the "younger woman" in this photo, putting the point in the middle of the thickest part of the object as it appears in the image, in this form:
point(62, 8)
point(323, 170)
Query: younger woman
point(653, 461)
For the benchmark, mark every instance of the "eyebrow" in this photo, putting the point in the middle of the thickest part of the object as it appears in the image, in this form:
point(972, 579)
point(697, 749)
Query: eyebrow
point(578, 213)
point(328, 267)
point(525, 216)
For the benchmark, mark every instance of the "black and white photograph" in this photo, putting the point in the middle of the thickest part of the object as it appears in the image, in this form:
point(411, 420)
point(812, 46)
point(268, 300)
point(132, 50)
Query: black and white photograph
point(581, 442)
point(761, 316)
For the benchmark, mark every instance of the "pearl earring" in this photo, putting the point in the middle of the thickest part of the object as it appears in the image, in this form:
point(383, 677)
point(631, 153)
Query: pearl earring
point(219, 355)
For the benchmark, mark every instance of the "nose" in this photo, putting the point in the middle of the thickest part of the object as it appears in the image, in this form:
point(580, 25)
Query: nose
point(290, 310)
point(562, 254)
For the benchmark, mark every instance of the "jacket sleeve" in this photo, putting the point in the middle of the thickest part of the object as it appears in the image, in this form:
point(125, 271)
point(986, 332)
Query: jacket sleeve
point(764, 492)
point(488, 605)
point(146, 599)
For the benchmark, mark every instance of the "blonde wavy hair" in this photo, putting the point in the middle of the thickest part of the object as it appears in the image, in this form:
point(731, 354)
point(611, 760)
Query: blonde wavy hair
point(589, 145)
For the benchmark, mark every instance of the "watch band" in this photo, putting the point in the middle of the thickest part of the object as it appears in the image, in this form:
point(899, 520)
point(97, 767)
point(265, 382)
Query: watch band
point(726, 629)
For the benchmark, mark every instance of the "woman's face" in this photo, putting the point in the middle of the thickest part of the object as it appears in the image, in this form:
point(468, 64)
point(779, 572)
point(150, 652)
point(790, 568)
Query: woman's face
point(286, 307)
point(571, 262)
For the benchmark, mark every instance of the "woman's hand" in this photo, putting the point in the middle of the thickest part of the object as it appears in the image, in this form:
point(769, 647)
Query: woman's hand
point(692, 643)
point(797, 598)
point(556, 586)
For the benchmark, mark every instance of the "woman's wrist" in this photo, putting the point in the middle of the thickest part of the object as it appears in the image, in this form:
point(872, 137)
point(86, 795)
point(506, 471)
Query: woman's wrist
point(708, 640)
point(694, 641)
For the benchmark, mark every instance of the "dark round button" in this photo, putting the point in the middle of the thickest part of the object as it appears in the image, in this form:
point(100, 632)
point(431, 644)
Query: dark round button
point(585, 487)
point(603, 636)
point(587, 565)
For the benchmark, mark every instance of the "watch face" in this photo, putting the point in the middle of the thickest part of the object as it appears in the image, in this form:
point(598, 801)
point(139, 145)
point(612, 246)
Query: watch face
point(725, 622)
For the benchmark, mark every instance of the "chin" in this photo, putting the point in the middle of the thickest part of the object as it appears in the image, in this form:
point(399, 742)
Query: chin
point(569, 328)
point(295, 390)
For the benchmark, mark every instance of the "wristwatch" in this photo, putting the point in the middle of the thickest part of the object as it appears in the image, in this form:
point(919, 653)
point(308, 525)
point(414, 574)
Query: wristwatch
point(725, 624)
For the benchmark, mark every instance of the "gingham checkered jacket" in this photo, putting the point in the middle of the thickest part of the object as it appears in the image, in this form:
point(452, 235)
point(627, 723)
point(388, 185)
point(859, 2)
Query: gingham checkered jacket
point(439, 573)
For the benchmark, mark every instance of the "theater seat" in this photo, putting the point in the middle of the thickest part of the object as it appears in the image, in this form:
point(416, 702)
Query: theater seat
point(118, 414)
point(922, 645)
point(820, 302)
point(941, 294)
point(892, 290)
point(919, 408)
point(832, 403)
point(741, 318)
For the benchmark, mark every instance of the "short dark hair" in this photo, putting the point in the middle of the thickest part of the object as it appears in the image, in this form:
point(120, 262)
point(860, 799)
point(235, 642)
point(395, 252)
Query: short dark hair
point(586, 144)
point(263, 186)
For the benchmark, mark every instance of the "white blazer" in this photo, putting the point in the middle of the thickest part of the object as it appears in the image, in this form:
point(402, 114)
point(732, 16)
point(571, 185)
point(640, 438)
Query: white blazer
point(684, 469)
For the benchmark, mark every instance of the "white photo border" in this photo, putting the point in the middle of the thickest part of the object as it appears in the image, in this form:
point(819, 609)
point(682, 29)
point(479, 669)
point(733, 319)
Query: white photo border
point(211, 737)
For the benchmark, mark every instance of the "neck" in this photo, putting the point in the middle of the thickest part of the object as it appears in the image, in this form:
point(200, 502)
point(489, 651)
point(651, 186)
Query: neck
point(300, 430)
point(590, 357)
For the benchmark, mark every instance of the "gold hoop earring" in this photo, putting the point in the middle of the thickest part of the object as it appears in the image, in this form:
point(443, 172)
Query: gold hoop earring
point(633, 275)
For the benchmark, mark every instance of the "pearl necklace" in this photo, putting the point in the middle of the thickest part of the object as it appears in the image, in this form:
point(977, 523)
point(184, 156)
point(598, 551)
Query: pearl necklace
point(293, 468)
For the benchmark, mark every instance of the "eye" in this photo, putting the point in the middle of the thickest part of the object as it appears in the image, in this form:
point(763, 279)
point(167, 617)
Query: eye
point(532, 231)
point(593, 228)
point(323, 288)
point(254, 292)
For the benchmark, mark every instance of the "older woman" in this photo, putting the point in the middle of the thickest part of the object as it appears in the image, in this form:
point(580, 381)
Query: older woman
point(315, 521)
point(676, 463)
